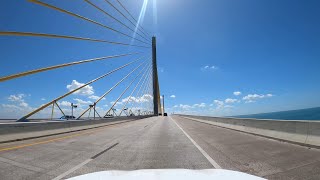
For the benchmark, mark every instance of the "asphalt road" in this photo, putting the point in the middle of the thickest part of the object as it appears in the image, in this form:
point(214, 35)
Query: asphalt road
point(156, 143)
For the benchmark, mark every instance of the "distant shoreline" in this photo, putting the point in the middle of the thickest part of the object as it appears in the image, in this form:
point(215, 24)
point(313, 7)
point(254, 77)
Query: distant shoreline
point(299, 114)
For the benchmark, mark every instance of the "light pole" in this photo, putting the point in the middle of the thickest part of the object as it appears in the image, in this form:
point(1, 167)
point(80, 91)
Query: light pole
point(72, 106)
point(114, 112)
point(125, 110)
point(94, 111)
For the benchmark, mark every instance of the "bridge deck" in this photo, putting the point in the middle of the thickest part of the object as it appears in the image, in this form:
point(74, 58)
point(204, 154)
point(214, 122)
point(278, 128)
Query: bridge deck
point(156, 143)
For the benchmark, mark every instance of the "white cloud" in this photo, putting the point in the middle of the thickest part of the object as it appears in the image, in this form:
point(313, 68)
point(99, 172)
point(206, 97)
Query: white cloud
point(207, 67)
point(201, 105)
point(219, 104)
point(143, 99)
point(16, 98)
point(64, 103)
point(254, 97)
point(237, 93)
point(230, 101)
point(173, 96)
point(19, 107)
point(10, 106)
point(222, 105)
point(118, 103)
point(185, 106)
point(24, 104)
point(85, 91)
point(19, 100)
point(43, 99)
point(146, 98)
point(82, 102)
point(95, 97)
point(188, 107)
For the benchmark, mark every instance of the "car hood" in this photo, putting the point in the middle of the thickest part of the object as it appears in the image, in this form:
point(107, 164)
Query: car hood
point(168, 174)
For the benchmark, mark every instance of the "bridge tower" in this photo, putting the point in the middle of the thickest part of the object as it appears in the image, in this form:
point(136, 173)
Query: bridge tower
point(156, 89)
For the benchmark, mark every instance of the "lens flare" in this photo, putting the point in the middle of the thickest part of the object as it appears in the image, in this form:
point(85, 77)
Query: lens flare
point(141, 16)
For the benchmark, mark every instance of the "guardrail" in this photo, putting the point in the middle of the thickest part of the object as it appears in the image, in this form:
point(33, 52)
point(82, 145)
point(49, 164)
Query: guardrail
point(299, 132)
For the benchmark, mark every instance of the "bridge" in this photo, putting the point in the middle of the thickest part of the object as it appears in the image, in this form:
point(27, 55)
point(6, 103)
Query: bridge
point(138, 135)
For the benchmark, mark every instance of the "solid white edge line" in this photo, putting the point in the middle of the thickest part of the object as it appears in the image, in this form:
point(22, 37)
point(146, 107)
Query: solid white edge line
point(205, 154)
point(72, 170)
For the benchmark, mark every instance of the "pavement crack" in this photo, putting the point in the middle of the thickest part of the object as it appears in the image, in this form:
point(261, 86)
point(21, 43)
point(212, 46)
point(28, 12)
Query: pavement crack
point(100, 153)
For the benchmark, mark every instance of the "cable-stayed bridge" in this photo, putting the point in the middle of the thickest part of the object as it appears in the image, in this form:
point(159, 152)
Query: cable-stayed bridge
point(144, 68)
point(132, 132)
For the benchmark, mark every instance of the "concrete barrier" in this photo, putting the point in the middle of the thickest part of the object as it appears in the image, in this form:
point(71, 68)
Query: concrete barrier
point(298, 132)
point(27, 130)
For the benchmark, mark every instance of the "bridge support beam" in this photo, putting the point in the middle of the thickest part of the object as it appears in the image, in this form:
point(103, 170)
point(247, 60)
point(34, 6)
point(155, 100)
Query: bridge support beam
point(156, 93)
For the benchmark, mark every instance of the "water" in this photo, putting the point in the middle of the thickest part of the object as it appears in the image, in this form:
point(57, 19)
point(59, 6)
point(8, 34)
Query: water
point(301, 114)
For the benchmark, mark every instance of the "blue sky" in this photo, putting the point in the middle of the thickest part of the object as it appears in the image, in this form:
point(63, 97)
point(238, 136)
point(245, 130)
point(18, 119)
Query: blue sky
point(215, 57)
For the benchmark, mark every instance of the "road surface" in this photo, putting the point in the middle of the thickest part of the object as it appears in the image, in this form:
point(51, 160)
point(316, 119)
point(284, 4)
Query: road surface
point(156, 143)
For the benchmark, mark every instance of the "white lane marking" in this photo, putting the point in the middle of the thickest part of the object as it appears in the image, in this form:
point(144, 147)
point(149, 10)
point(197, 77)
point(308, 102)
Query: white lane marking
point(72, 170)
point(205, 154)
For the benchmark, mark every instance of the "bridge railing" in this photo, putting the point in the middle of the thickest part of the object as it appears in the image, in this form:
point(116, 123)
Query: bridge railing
point(299, 132)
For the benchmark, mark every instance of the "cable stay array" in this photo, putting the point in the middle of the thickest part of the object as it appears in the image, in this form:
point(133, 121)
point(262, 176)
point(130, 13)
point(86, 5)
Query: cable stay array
point(139, 100)
point(137, 26)
point(109, 91)
point(131, 16)
point(76, 89)
point(13, 33)
point(139, 96)
point(124, 91)
point(133, 91)
point(13, 76)
point(141, 93)
point(112, 17)
point(86, 19)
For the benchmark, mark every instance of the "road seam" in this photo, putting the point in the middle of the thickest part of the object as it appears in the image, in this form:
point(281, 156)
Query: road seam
point(100, 153)
point(205, 154)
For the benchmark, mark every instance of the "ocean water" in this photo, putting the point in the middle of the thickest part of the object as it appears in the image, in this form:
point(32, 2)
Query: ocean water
point(300, 114)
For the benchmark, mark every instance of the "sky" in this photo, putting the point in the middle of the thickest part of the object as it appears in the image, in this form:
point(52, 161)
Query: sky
point(215, 57)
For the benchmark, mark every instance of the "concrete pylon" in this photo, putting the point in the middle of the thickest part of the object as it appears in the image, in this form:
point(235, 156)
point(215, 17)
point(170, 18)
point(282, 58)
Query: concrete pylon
point(156, 89)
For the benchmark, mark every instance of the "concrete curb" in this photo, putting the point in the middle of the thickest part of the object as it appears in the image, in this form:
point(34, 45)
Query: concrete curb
point(299, 132)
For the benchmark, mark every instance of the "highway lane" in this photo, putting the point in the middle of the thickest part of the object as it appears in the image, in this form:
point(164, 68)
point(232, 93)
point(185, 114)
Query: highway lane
point(252, 154)
point(142, 144)
point(155, 143)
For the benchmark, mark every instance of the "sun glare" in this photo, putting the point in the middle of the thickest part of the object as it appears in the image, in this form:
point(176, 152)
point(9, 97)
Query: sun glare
point(141, 16)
